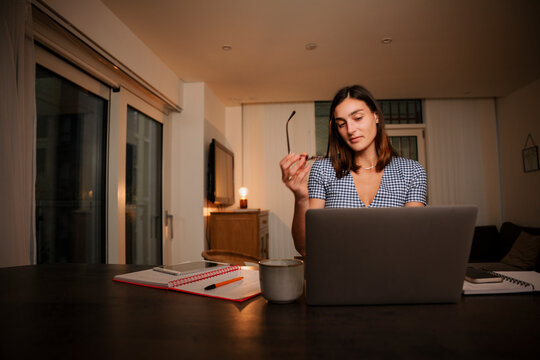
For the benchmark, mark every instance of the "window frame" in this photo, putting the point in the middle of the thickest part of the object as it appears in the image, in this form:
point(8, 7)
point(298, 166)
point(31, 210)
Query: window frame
point(417, 130)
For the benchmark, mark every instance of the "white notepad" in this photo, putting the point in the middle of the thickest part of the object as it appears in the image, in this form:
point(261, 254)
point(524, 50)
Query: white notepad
point(513, 282)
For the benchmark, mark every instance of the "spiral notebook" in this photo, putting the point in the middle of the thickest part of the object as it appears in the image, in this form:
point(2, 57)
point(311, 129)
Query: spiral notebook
point(513, 282)
point(195, 283)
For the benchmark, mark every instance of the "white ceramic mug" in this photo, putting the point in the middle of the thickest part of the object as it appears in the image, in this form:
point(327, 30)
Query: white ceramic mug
point(282, 280)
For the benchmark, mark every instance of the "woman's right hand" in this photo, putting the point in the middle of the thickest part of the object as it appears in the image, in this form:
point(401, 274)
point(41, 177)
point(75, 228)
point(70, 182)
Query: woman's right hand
point(294, 174)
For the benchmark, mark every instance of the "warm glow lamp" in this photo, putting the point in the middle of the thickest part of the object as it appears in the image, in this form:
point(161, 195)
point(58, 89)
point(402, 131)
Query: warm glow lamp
point(243, 197)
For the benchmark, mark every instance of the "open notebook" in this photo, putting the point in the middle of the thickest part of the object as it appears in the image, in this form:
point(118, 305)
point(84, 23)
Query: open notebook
point(195, 282)
point(513, 282)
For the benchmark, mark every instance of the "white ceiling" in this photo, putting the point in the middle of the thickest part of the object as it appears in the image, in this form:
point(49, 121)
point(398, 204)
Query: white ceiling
point(440, 48)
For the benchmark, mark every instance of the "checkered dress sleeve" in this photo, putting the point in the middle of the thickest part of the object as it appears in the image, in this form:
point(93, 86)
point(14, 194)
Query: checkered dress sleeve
point(418, 184)
point(316, 181)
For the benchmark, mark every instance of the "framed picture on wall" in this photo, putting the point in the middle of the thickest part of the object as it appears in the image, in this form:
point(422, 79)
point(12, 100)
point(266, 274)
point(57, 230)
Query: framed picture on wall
point(530, 159)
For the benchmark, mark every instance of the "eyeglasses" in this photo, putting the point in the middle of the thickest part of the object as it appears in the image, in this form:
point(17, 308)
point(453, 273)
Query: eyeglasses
point(317, 157)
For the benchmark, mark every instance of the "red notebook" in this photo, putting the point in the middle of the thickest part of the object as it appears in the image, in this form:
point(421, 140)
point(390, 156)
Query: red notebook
point(195, 283)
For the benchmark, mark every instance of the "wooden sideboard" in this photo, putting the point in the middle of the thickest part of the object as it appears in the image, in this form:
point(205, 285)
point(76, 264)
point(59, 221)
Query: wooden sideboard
point(243, 231)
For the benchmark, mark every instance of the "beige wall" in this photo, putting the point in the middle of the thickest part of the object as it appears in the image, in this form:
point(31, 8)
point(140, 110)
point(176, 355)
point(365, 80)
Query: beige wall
point(233, 133)
point(214, 128)
point(265, 145)
point(487, 120)
point(519, 115)
point(214, 111)
point(187, 174)
point(203, 118)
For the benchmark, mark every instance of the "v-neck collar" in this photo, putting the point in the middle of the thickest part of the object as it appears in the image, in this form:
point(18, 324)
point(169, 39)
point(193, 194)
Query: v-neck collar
point(383, 189)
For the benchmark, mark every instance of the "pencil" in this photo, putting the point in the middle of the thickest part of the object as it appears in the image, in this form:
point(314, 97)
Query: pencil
point(213, 286)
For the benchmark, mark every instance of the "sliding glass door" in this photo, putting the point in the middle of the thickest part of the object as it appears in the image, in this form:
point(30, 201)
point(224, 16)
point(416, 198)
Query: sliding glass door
point(71, 170)
point(143, 189)
point(99, 159)
point(136, 182)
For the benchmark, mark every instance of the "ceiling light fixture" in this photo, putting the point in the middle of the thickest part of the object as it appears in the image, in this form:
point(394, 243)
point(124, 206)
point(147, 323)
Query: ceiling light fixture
point(226, 47)
point(311, 46)
point(386, 41)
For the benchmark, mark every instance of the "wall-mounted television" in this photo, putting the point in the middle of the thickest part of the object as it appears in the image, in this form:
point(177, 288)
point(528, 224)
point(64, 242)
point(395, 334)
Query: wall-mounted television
point(220, 174)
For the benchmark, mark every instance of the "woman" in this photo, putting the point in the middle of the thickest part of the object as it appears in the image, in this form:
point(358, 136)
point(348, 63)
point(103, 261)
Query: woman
point(361, 167)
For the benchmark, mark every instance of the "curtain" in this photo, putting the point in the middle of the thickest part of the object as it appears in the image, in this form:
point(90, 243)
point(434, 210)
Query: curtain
point(462, 153)
point(265, 144)
point(17, 134)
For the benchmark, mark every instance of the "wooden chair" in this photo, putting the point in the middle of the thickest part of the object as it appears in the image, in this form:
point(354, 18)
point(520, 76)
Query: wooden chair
point(229, 256)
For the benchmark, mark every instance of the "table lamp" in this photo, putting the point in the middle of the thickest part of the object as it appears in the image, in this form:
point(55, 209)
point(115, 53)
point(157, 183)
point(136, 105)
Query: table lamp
point(243, 197)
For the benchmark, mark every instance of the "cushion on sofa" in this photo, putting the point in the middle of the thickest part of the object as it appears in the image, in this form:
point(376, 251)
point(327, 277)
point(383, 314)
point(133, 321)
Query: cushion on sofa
point(524, 252)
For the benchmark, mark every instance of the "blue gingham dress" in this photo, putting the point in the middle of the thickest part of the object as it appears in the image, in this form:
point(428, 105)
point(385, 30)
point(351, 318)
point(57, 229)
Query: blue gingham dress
point(403, 181)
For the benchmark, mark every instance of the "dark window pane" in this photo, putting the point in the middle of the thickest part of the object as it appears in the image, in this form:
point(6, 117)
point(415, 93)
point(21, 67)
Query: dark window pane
point(413, 148)
point(402, 111)
point(405, 150)
point(406, 146)
point(322, 117)
point(70, 161)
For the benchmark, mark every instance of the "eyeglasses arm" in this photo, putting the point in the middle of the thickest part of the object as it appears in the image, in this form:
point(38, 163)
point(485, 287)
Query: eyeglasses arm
point(287, 131)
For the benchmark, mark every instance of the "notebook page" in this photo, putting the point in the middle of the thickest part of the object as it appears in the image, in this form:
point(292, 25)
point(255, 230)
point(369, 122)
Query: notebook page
point(247, 287)
point(147, 277)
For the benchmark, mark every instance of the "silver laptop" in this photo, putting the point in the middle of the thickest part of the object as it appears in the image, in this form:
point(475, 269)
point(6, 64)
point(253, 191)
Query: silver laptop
point(387, 255)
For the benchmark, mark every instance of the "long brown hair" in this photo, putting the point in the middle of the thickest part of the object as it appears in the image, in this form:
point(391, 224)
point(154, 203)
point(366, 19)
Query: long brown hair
point(341, 155)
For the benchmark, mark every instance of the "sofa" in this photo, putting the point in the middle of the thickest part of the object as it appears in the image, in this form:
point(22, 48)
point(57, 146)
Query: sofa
point(512, 248)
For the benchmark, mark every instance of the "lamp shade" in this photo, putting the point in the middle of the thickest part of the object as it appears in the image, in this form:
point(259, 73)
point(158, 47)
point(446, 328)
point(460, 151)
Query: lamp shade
point(243, 192)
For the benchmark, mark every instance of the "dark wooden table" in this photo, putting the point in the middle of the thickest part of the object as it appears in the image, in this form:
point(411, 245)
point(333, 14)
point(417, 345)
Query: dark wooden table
point(77, 311)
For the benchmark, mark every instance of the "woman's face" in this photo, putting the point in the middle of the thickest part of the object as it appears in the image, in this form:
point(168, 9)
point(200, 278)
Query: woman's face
point(356, 124)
